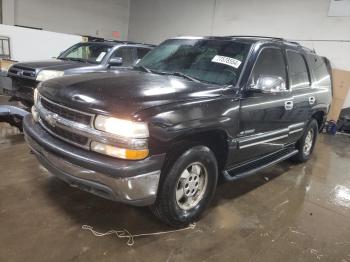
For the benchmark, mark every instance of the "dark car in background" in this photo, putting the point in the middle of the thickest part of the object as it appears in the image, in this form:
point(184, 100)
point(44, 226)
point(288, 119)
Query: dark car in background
point(81, 58)
point(191, 111)
point(343, 123)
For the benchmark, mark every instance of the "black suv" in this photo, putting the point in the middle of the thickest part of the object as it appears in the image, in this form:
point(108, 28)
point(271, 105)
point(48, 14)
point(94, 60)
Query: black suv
point(81, 58)
point(193, 109)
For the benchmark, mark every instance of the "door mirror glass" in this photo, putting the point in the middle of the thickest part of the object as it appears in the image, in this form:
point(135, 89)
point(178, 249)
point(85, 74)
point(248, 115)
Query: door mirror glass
point(269, 84)
point(116, 61)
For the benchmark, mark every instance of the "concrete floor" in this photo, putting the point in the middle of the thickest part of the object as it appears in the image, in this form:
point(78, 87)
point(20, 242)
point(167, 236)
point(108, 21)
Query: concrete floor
point(286, 213)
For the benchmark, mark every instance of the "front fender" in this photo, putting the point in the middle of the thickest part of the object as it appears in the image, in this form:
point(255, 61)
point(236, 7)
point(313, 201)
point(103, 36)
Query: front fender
point(174, 122)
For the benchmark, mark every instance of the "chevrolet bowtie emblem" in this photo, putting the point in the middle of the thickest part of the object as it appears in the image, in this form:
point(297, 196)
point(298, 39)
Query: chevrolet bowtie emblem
point(51, 119)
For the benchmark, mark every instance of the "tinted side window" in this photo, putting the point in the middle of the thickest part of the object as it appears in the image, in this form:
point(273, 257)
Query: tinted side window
point(270, 63)
point(298, 74)
point(141, 52)
point(128, 55)
point(319, 68)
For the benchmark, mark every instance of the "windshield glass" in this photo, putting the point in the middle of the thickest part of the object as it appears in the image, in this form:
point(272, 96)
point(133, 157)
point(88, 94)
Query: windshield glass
point(86, 52)
point(208, 60)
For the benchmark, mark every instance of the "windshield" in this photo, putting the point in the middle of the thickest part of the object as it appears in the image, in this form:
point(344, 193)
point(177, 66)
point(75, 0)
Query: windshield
point(86, 52)
point(208, 60)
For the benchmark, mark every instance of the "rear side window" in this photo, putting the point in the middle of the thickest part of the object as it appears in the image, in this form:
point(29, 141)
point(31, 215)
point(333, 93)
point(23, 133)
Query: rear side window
point(141, 52)
point(269, 63)
point(298, 73)
point(319, 68)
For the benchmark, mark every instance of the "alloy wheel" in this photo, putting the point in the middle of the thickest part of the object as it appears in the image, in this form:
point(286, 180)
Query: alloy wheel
point(191, 186)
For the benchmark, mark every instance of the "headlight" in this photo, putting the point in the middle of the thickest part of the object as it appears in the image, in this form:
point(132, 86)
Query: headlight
point(120, 127)
point(48, 74)
point(134, 136)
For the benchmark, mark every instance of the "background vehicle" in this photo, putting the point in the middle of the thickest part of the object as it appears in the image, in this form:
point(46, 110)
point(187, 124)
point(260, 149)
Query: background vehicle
point(193, 109)
point(81, 58)
point(343, 123)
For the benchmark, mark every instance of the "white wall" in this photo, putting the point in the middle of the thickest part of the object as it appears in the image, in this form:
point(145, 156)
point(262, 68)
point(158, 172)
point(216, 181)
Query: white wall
point(8, 11)
point(30, 44)
point(83, 17)
point(155, 20)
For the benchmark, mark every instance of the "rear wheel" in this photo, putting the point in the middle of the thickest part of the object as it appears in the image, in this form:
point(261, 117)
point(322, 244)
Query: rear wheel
point(306, 143)
point(187, 187)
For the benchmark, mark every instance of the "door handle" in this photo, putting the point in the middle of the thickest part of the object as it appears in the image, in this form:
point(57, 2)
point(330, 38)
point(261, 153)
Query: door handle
point(312, 100)
point(288, 105)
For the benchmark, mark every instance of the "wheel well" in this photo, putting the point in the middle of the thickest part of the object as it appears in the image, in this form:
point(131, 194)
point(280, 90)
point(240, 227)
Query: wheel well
point(216, 140)
point(319, 118)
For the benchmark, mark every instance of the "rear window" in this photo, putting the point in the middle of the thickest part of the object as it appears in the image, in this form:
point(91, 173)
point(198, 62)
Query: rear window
point(298, 73)
point(319, 68)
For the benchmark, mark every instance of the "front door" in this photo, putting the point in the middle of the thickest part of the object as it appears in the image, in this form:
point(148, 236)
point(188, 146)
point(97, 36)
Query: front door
point(265, 117)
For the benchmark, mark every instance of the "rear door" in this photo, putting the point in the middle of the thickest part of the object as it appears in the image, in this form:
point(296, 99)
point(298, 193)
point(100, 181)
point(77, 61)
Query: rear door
point(303, 95)
point(265, 117)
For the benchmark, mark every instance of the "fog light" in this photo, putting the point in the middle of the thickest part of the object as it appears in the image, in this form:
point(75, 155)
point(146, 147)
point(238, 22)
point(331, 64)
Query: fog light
point(124, 153)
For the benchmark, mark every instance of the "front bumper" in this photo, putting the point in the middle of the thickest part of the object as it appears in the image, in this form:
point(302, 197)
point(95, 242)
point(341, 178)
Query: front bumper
point(8, 111)
point(132, 182)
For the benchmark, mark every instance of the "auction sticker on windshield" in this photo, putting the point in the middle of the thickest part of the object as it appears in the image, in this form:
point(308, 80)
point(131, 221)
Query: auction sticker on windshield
point(226, 60)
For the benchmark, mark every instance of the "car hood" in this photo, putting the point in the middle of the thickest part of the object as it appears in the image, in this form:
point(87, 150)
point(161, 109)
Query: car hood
point(123, 93)
point(54, 64)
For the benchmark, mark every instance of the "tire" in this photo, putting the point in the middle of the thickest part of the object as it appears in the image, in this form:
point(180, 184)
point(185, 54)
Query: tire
point(195, 164)
point(305, 150)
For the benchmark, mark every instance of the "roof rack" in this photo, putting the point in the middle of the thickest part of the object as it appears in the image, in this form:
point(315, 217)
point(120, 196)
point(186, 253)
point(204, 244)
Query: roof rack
point(268, 37)
point(120, 42)
point(259, 36)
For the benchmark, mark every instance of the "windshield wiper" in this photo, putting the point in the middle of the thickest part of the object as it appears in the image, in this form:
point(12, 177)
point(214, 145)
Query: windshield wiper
point(182, 75)
point(74, 59)
point(145, 69)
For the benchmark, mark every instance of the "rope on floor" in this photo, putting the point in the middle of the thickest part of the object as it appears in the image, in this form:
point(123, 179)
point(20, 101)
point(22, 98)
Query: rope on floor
point(126, 234)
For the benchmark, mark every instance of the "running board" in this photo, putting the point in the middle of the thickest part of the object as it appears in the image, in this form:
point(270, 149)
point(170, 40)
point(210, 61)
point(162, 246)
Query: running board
point(233, 175)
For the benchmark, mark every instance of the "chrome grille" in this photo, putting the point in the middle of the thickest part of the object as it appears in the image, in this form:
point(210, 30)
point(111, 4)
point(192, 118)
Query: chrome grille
point(66, 112)
point(65, 134)
point(23, 71)
point(52, 115)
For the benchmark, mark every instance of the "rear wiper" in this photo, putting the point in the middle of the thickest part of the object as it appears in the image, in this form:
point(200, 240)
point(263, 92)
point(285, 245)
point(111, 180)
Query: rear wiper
point(145, 69)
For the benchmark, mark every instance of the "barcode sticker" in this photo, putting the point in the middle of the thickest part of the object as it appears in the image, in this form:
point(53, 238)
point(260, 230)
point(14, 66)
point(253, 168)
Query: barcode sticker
point(226, 61)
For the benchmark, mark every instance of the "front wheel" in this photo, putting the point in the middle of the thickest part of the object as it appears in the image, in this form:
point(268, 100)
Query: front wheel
point(187, 187)
point(306, 143)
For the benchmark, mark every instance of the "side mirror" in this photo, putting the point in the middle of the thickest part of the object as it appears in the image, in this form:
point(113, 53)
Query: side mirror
point(116, 61)
point(269, 84)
